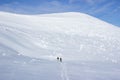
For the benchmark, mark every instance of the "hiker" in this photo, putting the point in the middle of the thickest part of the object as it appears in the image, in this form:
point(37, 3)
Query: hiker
point(60, 59)
point(57, 58)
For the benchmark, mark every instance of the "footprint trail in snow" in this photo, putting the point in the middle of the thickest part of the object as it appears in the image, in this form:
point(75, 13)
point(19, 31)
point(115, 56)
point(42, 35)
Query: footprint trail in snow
point(64, 74)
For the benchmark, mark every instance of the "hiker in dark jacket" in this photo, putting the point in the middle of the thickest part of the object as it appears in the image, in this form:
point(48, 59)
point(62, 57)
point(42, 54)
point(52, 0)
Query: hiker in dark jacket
point(59, 58)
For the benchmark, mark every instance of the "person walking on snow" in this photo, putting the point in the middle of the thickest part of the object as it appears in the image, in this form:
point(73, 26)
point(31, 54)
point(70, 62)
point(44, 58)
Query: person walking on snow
point(59, 58)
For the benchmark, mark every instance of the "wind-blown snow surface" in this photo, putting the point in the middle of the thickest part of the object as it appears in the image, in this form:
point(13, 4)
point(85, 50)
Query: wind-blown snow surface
point(29, 45)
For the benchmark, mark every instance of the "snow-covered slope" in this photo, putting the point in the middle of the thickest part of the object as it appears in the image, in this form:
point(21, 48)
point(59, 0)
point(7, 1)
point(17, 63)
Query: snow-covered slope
point(81, 40)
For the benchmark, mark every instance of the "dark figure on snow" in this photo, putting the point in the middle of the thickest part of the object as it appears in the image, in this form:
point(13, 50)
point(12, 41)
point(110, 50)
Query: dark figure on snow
point(60, 59)
point(57, 58)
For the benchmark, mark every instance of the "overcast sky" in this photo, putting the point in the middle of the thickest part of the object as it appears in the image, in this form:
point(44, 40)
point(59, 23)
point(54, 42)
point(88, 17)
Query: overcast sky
point(107, 10)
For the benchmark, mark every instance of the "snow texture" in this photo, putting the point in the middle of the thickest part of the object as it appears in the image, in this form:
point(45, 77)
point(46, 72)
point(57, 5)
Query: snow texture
point(29, 45)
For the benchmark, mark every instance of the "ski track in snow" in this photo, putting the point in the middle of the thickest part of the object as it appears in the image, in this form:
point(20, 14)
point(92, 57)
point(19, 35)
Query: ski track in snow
point(64, 73)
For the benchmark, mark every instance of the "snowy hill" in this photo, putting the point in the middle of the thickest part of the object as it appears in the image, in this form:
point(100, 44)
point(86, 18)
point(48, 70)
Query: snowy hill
point(29, 45)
